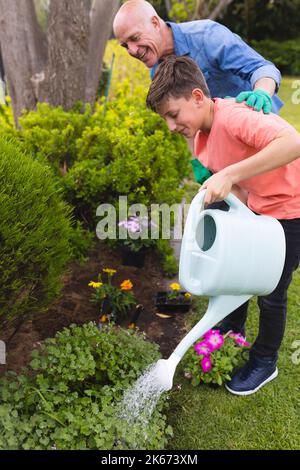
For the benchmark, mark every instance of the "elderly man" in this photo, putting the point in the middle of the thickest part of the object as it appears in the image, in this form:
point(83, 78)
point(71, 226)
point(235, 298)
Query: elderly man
point(229, 65)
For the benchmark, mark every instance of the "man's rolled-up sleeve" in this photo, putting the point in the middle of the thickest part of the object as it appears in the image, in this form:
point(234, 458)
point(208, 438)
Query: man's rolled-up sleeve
point(269, 71)
point(227, 52)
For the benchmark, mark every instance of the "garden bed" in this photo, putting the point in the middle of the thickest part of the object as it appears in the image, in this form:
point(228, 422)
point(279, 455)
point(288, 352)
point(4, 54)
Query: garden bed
point(74, 306)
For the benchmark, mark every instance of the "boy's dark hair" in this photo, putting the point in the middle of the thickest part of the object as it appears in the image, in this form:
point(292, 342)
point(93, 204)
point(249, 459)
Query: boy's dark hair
point(176, 76)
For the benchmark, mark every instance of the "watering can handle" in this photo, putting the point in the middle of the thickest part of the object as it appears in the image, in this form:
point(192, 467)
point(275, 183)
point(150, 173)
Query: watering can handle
point(233, 202)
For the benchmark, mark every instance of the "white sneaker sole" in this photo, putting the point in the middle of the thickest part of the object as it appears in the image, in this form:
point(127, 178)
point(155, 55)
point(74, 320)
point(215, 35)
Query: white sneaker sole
point(250, 392)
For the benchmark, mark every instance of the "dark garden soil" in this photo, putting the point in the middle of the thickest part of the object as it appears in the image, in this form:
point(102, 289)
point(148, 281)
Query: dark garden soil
point(74, 306)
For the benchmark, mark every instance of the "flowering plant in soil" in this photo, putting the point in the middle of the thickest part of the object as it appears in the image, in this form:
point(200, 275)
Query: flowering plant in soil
point(138, 236)
point(120, 297)
point(176, 294)
point(214, 357)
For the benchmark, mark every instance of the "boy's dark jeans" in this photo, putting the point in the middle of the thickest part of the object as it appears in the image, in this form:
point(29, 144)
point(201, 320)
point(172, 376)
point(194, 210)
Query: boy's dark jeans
point(272, 307)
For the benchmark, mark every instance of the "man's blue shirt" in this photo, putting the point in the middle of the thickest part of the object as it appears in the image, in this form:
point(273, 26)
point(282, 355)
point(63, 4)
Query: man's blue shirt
point(228, 64)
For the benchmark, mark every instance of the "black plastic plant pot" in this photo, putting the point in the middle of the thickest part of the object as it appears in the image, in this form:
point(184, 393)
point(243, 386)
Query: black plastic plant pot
point(178, 305)
point(133, 258)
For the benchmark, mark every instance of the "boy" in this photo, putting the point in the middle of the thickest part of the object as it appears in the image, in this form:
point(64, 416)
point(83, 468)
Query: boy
point(248, 152)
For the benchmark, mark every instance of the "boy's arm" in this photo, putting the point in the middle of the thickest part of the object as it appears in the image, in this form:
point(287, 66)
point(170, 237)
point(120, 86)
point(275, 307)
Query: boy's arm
point(279, 152)
point(239, 192)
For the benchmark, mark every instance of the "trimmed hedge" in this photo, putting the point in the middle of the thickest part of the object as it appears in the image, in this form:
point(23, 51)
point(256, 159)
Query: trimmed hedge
point(34, 233)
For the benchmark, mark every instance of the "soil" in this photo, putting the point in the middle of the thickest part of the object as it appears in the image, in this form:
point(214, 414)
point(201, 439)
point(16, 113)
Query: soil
point(74, 306)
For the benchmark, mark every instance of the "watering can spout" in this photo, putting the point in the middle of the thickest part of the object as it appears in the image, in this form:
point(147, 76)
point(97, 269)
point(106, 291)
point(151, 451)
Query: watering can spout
point(218, 308)
point(165, 370)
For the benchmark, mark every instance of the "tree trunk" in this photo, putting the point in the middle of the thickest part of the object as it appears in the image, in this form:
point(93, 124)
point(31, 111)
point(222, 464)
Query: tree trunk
point(68, 42)
point(219, 9)
point(23, 52)
point(168, 5)
point(2, 73)
point(65, 66)
point(102, 15)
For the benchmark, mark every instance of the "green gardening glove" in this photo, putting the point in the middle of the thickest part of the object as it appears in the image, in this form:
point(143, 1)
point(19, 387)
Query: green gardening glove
point(257, 99)
point(201, 173)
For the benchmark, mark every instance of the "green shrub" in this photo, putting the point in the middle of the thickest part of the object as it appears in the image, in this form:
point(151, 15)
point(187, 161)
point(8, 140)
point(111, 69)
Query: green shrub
point(67, 398)
point(34, 233)
point(97, 158)
point(81, 242)
point(285, 55)
point(7, 125)
point(168, 259)
point(122, 149)
point(128, 152)
point(126, 71)
point(50, 134)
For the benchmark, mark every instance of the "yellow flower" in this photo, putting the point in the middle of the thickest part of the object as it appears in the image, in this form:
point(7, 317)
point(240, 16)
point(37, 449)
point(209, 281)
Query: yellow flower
point(126, 285)
point(109, 271)
point(175, 286)
point(95, 285)
point(187, 295)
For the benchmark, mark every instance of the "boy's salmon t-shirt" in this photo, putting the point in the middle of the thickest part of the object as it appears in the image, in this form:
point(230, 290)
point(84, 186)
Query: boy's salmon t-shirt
point(237, 133)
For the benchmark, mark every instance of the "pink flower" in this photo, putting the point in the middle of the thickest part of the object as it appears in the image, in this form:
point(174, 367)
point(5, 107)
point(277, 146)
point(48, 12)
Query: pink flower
point(203, 348)
point(213, 339)
point(239, 339)
point(210, 332)
point(206, 364)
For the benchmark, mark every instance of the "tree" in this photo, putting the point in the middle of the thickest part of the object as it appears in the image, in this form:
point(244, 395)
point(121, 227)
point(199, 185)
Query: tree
point(263, 19)
point(61, 65)
point(188, 10)
point(102, 15)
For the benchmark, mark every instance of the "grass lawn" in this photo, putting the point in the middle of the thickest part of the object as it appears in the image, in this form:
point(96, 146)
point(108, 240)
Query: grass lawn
point(290, 111)
point(206, 418)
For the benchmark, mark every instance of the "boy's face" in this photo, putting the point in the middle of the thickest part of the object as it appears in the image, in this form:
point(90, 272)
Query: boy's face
point(185, 116)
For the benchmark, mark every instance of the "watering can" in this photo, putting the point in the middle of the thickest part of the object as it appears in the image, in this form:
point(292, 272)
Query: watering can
point(228, 256)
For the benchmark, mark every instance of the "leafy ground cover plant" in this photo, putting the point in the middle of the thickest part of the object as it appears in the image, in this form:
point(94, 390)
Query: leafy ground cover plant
point(68, 396)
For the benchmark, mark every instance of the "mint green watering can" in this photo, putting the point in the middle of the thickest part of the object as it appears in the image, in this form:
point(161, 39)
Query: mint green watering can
point(228, 256)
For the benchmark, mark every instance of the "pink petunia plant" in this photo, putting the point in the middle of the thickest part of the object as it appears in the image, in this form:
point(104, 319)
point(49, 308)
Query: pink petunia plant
point(214, 357)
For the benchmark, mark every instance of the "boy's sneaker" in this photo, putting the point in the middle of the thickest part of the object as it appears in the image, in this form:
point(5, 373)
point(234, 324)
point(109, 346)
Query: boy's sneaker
point(255, 374)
